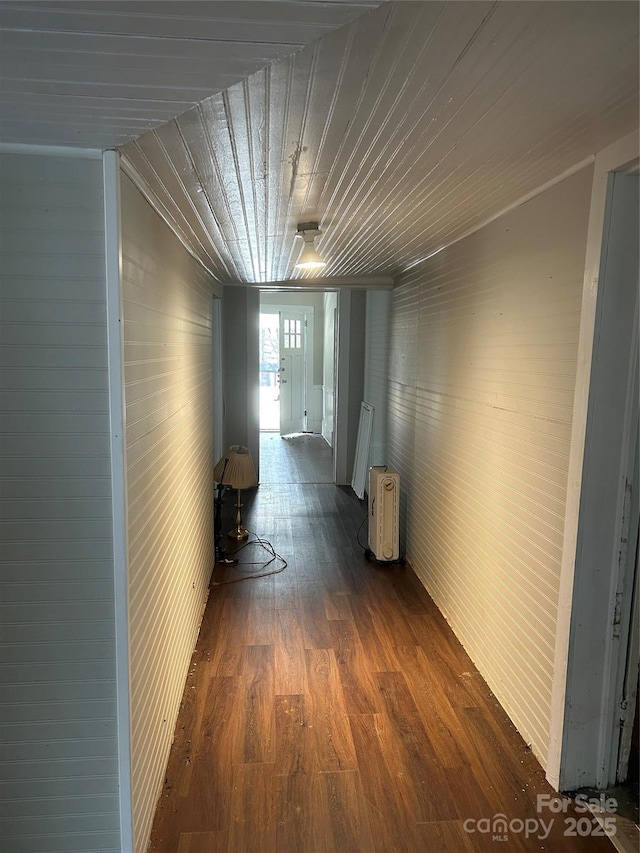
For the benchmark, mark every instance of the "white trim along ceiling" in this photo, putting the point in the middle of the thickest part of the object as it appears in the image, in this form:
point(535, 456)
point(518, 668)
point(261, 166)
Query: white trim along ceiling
point(398, 126)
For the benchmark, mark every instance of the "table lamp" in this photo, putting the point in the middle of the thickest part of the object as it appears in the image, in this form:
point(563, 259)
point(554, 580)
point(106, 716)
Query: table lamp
point(236, 469)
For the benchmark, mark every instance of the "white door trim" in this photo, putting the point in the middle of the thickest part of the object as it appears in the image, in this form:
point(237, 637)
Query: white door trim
point(117, 419)
point(562, 759)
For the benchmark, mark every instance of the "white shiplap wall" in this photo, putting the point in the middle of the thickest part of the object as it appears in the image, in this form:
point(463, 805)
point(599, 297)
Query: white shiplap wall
point(169, 436)
point(376, 370)
point(59, 782)
point(482, 375)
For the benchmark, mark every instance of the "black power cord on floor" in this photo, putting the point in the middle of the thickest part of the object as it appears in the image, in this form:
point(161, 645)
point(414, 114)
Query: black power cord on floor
point(365, 548)
point(268, 547)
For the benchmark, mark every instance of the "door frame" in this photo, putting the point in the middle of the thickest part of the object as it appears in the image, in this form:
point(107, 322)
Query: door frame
point(582, 712)
point(118, 453)
point(308, 311)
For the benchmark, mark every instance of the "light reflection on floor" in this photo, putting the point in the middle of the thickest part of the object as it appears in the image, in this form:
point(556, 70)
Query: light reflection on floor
point(298, 458)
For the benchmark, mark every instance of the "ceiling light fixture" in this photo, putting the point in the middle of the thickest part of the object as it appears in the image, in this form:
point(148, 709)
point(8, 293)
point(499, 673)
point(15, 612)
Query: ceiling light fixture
point(309, 258)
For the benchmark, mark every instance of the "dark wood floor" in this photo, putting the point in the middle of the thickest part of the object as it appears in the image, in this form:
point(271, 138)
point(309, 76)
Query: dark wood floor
point(299, 458)
point(329, 708)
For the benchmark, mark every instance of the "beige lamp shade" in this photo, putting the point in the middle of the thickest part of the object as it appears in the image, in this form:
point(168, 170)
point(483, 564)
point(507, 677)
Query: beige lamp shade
point(236, 468)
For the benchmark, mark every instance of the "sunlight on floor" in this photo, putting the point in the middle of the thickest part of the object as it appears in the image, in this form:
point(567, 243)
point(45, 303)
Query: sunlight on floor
point(299, 458)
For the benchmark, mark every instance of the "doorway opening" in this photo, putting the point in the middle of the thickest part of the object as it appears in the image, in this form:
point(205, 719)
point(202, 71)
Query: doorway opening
point(286, 367)
point(295, 346)
point(318, 383)
point(269, 373)
point(290, 371)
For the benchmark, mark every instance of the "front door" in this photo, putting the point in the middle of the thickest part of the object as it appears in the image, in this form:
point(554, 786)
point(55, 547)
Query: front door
point(292, 372)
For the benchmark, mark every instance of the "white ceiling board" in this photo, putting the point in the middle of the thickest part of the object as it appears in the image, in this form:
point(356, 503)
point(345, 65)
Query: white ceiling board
point(98, 74)
point(398, 126)
point(399, 132)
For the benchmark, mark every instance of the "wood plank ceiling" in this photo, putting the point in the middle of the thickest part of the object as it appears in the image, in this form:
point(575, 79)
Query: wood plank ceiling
point(399, 131)
point(100, 73)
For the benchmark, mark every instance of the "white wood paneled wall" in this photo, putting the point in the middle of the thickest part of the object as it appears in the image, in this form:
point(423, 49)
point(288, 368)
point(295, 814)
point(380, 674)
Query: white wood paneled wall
point(59, 783)
point(482, 374)
point(377, 370)
point(169, 439)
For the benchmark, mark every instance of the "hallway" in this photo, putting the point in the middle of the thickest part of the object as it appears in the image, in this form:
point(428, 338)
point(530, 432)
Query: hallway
point(328, 707)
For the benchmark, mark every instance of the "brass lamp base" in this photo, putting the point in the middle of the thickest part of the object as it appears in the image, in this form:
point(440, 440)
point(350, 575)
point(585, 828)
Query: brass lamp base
point(238, 532)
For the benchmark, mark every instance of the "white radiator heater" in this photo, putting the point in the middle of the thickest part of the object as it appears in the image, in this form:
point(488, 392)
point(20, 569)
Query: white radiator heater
point(384, 512)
